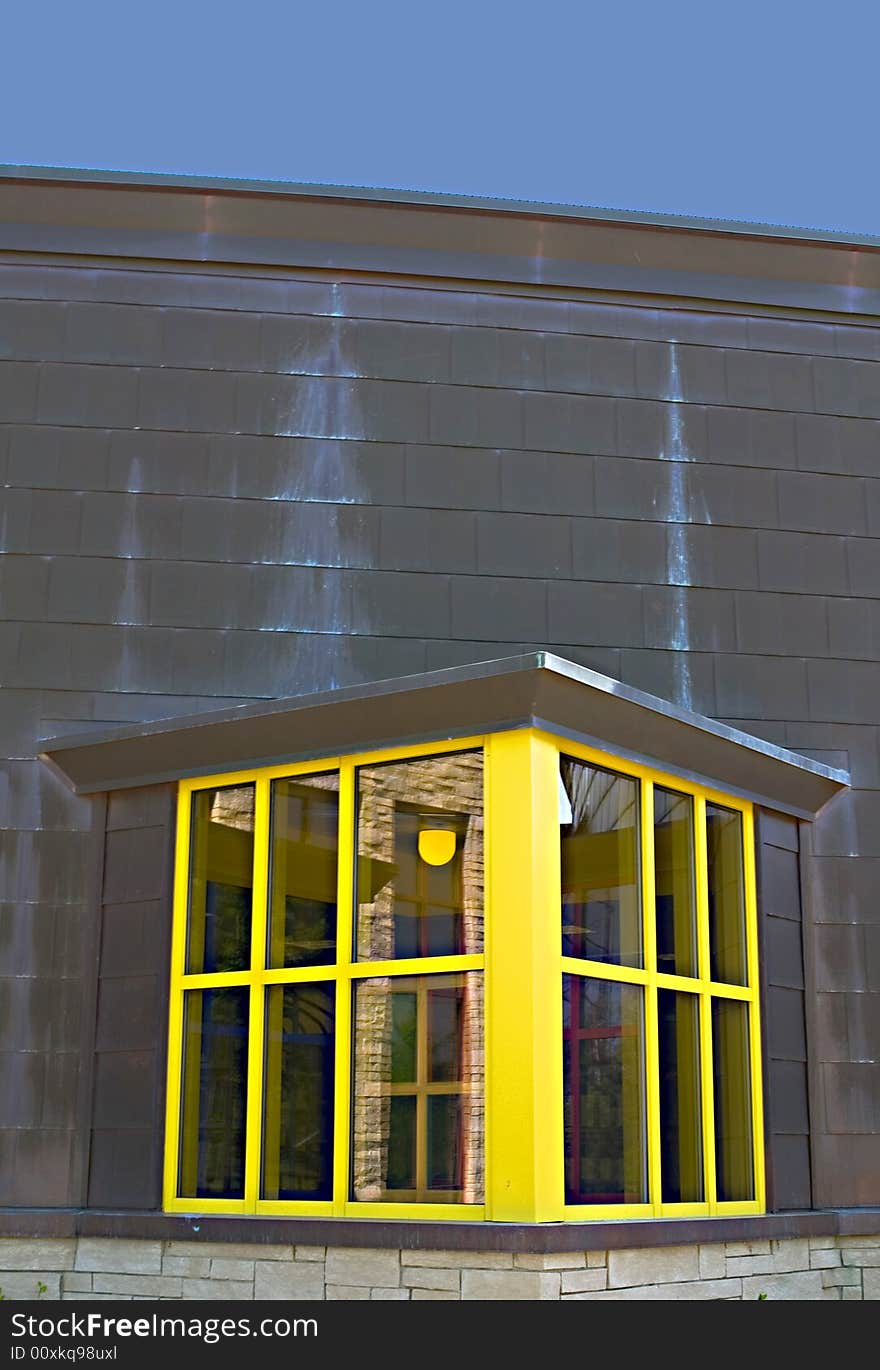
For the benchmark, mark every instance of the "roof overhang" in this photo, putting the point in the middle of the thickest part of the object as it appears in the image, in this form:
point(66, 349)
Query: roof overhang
point(533, 690)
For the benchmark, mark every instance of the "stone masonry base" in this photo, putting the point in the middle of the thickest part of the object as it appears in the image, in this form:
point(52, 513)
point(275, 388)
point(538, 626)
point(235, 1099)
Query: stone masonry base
point(114, 1268)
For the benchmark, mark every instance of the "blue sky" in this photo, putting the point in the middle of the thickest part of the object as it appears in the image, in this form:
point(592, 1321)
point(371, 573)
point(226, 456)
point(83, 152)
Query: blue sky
point(724, 108)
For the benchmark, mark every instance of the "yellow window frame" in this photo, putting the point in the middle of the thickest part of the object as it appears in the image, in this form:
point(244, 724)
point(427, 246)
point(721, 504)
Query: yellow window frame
point(523, 965)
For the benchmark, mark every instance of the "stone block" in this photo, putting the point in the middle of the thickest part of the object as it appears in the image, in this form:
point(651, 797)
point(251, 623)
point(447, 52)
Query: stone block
point(435, 1294)
point(138, 1286)
point(793, 1254)
point(519, 1285)
point(424, 1277)
point(690, 1290)
point(232, 1270)
point(862, 1243)
point(188, 1267)
point(24, 1284)
point(311, 1253)
point(749, 1265)
point(389, 1295)
point(369, 1266)
point(114, 1256)
point(803, 1284)
point(660, 1265)
point(47, 1253)
point(554, 1260)
point(220, 1290)
point(230, 1251)
point(852, 1294)
point(596, 1258)
point(459, 1260)
point(871, 1284)
point(747, 1248)
point(347, 1291)
point(291, 1280)
point(72, 1283)
point(851, 1255)
point(824, 1260)
point(843, 1275)
point(713, 1263)
point(579, 1281)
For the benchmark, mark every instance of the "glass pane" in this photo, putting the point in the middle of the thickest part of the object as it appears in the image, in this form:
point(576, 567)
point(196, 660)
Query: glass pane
point(212, 1133)
point(733, 1101)
point(604, 1091)
point(420, 857)
point(727, 922)
point(599, 831)
point(302, 910)
point(417, 1134)
point(298, 1097)
point(681, 1137)
point(674, 882)
point(221, 880)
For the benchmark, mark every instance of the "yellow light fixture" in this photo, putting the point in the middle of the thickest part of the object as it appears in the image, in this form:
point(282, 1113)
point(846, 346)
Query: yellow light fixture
point(437, 839)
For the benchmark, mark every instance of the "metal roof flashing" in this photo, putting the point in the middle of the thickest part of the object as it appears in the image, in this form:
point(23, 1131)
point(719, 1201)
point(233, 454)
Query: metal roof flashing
point(537, 689)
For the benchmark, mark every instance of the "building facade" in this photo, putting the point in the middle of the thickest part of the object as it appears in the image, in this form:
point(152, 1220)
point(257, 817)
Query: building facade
point(440, 699)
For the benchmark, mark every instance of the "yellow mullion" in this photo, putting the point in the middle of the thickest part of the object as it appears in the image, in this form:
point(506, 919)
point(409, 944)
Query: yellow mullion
point(607, 1212)
point(218, 979)
point(175, 1005)
point(296, 975)
point(652, 1034)
point(751, 912)
point(314, 766)
point(295, 1208)
point(206, 1206)
point(257, 1011)
point(416, 965)
point(415, 1212)
point(421, 1081)
point(602, 970)
point(725, 991)
point(707, 1097)
point(343, 1063)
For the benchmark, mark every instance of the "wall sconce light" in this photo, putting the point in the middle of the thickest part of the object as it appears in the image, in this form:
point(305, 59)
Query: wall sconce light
point(437, 839)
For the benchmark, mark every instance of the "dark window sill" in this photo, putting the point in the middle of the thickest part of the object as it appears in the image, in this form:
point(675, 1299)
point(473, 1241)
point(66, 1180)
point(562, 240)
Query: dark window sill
point(454, 1236)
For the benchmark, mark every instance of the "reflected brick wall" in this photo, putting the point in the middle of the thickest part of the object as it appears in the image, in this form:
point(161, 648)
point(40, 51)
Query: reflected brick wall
point(223, 486)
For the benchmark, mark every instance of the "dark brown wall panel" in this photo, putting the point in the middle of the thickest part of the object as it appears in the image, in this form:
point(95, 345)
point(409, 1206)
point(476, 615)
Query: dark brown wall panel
point(228, 483)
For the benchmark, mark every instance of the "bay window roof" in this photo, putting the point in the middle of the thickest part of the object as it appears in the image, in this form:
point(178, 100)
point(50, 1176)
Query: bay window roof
point(536, 689)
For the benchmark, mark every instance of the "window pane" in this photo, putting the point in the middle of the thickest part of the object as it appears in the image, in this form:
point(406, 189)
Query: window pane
point(212, 1134)
point(420, 857)
point(727, 923)
point(601, 899)
point(298, 1096)
point(733, 1100)
point(604, 1091)
point(674, 882)
point(418, 1089)
point(681, 1138)
point(302, 911)
point(221, 880)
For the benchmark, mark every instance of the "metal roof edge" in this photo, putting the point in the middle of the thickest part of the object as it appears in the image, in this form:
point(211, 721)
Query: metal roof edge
point(438, 199)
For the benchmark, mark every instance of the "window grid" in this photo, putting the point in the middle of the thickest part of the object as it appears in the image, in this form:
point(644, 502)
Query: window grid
point(343, 973)
point(524, 1154)
point(702, 986)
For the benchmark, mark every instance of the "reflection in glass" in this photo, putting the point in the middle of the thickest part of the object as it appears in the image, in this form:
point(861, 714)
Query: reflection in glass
point(681, 1138)
point(674, 882)
point(418, 1089)
point(727, 922)
point(733, 1101)
point(420, 857)
point(298, 1098)
point(599, 831)
point(604, 1092)
point(304, 844)
point(212, 1134)
point(221, 880)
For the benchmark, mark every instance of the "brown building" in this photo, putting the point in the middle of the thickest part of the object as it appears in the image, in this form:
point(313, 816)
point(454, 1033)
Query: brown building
point(560, 519)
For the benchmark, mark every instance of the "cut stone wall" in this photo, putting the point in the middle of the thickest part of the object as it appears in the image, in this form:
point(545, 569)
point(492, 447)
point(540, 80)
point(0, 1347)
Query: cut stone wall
point(111, 1268)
